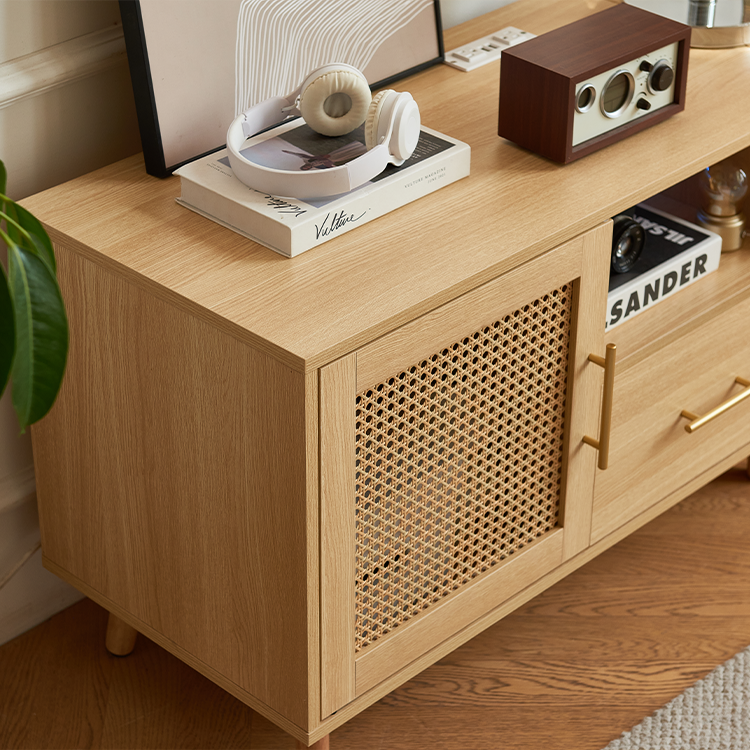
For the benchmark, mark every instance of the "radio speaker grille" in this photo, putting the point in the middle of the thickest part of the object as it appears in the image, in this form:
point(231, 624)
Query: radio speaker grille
point(459, 463)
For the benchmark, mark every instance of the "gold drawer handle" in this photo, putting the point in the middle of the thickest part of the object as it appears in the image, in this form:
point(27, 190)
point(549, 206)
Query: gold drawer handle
point(697, 421)
point(605, 428)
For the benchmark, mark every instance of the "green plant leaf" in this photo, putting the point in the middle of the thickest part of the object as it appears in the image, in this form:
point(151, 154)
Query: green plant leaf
point(41, 335)
point(40, 243)
point(3, 184)
point(7, 323)
point(7, 331)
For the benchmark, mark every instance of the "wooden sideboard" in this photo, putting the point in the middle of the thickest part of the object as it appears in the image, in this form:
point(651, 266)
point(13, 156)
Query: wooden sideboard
point(311, 478)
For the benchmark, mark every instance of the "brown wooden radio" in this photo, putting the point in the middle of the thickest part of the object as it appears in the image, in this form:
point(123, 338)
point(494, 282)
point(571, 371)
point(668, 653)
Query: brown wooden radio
point(586, 85)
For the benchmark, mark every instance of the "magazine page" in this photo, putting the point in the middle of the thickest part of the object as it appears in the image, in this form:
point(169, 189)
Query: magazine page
point(296, 146)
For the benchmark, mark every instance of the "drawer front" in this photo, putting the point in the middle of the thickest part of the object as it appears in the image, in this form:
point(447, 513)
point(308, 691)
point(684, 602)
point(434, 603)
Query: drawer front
point(651, 454)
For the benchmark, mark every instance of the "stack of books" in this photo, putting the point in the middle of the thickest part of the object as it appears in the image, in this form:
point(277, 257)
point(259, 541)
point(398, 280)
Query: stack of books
point(291, 226)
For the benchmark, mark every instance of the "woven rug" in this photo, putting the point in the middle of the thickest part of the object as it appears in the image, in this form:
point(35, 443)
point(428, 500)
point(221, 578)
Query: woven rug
point(713, 714)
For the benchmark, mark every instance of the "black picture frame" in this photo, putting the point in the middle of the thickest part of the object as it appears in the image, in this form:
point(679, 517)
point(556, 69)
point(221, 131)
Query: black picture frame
point(160, 161)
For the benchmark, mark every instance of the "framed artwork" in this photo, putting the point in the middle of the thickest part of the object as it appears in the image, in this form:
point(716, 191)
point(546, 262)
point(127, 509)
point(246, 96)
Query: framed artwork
point(196, 64)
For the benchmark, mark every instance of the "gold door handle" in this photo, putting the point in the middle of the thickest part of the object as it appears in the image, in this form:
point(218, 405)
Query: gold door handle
point(605, 427)
point(698, 421)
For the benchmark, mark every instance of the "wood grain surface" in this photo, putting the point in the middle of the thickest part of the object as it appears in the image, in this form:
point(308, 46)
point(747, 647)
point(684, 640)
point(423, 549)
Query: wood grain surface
point(186, 286)
point(481, 307)
point(681, 314)
point(570, 670)
point(337, 534)
point(649, 442)
point(514, 206)
point(173, 457)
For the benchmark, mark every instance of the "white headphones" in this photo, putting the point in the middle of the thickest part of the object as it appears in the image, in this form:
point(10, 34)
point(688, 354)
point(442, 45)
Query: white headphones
point(333, 100)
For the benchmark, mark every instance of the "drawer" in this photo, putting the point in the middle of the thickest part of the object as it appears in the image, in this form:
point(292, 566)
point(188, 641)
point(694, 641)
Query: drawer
point(651, 454)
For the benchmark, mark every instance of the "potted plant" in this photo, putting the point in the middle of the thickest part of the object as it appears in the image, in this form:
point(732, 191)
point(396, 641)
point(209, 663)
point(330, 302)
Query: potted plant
point(33, 323)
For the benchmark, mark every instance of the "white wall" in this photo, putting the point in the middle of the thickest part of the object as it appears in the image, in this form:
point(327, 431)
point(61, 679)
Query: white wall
point(454, 12)
point(66, 107)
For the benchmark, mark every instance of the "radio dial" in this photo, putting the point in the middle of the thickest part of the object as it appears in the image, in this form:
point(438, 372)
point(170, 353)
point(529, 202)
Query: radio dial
point(661, 77)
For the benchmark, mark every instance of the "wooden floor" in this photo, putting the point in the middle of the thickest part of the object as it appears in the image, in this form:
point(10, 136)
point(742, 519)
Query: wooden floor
point(571, 670)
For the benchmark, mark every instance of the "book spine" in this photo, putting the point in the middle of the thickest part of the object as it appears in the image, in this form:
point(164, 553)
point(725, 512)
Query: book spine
point(226, 210)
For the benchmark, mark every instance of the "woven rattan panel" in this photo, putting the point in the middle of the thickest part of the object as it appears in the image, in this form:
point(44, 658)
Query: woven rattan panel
point(459, 463)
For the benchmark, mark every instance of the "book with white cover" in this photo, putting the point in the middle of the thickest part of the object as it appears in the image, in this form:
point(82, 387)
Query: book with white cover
point(291, 226)
point(675, 254)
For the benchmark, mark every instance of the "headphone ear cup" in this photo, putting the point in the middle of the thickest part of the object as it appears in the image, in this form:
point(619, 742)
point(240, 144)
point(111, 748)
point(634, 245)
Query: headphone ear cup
point(373, 118)
point(397, 113)
point(336, 102)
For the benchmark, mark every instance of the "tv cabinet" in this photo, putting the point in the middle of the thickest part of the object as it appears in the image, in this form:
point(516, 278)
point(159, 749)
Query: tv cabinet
point(311, 478)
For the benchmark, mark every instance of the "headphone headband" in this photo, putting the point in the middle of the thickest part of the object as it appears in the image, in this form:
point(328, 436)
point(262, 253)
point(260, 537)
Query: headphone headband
point(335, 180)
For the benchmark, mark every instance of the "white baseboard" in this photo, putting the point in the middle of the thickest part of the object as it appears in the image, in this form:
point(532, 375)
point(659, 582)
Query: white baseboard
point(33, 594)
point(60, 64)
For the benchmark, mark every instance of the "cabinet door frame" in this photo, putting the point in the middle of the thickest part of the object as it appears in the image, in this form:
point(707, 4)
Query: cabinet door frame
point(584, 261)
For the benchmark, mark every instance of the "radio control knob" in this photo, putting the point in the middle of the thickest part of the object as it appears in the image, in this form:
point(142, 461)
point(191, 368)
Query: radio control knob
point(643, 104)
point(645, 66)
point(661, 77)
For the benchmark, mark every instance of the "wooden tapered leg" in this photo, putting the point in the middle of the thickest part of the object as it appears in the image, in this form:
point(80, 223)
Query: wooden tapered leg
point(322, 744)
point(120, 636)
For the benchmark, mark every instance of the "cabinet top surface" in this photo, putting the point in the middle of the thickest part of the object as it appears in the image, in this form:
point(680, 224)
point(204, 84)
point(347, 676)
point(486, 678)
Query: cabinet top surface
point(515, 205)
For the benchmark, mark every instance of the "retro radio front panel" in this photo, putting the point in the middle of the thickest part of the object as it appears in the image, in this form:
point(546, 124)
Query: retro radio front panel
point(581, 87)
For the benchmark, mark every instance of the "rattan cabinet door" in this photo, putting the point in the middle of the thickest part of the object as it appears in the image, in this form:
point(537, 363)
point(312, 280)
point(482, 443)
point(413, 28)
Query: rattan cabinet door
point(453, 473)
